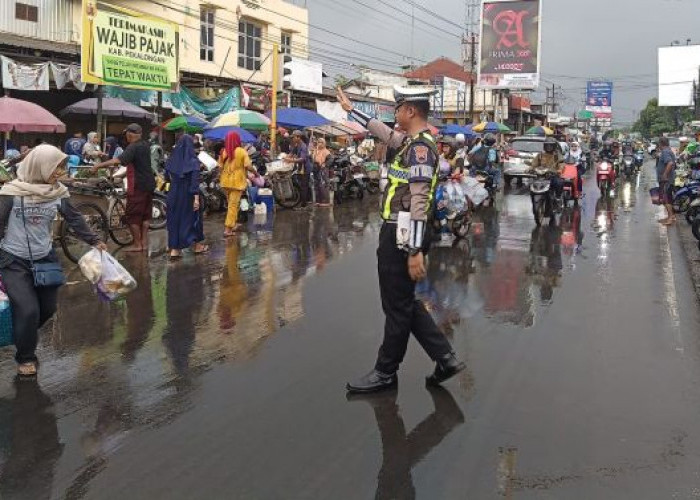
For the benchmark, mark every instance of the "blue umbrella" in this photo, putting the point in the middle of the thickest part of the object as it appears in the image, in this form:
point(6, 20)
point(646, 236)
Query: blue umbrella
point(296, 118)
point(219, 133)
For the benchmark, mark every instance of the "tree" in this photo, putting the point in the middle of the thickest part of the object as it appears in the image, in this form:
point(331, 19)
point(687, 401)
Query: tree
point(655, 120)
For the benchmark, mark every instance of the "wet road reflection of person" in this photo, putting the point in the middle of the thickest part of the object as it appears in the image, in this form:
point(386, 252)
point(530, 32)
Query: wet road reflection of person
point(401, 451)
point(29, 443)
point(140, 315)
point(545, 259)
point(184, 297)
point(233, 292)
point(572, 236)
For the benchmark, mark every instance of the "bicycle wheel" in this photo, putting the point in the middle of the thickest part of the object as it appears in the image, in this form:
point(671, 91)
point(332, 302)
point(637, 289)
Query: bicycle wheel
point(160, 211)
point(73, 247)
point(118, 228)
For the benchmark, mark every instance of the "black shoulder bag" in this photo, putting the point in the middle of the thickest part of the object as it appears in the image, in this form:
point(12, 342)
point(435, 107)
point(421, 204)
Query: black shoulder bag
point(45, 274)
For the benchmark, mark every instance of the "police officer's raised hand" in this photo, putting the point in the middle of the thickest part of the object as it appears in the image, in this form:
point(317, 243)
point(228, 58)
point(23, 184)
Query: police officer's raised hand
point(343, 100)
point(416, 266)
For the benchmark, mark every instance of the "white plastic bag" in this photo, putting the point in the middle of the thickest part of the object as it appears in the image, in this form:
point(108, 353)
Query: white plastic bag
point(456, 200)
point(474, 190)
point(110, 278)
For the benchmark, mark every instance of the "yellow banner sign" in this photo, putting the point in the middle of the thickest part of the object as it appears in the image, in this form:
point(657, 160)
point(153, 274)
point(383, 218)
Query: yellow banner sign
point(127, 48)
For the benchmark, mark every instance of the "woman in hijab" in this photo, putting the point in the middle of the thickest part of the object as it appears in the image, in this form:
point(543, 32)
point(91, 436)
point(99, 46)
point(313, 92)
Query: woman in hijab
point(234, 162)
point(184, 220)
point(91, 149)
point(28, 207)
point(322, 160)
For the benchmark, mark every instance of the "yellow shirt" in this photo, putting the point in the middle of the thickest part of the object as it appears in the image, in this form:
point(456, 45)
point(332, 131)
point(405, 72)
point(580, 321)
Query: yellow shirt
point(233, 171)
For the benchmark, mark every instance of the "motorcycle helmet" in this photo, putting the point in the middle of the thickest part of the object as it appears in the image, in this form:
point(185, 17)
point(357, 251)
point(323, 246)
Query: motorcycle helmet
point(460, 138)
point(550, 145)
point(489, 140)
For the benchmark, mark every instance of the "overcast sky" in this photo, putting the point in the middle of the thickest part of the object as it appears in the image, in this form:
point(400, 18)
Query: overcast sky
point(581, 39)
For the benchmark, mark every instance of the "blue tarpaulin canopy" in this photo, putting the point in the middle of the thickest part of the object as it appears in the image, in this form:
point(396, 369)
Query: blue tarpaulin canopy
point(454, 129)
point(297, 118)
point(219, 133)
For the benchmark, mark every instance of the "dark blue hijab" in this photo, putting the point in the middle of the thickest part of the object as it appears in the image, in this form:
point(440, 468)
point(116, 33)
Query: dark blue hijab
point(183, 159)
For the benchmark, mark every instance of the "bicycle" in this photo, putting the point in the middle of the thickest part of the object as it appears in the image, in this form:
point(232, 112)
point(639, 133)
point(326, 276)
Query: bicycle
point(109, 188)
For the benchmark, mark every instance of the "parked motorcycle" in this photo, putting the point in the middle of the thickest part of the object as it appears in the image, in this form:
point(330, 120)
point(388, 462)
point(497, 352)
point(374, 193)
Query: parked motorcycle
point(693, 211)
point(260, 159)
point(344, 182)
point(372, 177)
point(285, 185)
point(212, 197)
point(683, 197)
point(544, 201)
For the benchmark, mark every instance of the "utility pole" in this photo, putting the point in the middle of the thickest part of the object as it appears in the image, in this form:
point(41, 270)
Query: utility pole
point(472, 11)
point(275, 84)
point(696, 95)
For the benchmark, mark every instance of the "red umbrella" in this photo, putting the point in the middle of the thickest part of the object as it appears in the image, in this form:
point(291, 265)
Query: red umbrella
point(24, 116)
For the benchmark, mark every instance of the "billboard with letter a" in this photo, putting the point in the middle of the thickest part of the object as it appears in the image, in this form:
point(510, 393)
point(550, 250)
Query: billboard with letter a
point(126, 48)
point(510, 44)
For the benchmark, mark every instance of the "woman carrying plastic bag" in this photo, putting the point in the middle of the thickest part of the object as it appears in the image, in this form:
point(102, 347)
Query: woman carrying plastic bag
point(29, 266)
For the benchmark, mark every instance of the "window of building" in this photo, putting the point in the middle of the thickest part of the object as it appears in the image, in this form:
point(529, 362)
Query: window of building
point(286, 45)
point(206, 43)
point(25, 12)
point(249, 45)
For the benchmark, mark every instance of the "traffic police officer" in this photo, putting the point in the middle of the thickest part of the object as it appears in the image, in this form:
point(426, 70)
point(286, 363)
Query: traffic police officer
point(406, 204)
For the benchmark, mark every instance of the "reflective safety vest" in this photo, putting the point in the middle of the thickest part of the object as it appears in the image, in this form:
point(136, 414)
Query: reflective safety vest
point(399, 175)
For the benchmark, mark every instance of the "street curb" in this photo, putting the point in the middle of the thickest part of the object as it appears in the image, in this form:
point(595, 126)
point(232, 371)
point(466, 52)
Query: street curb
point(690, 249)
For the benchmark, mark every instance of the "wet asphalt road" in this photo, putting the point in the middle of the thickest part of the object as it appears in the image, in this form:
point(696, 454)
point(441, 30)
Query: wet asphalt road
point(223, 376)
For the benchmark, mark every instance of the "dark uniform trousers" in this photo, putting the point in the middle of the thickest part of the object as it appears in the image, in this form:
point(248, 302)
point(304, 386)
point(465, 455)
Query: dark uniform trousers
point(404, 314)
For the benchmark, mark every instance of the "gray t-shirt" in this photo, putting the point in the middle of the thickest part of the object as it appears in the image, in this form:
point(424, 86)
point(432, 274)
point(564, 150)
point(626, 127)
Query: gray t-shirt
point(39, 218)
point(665, 157)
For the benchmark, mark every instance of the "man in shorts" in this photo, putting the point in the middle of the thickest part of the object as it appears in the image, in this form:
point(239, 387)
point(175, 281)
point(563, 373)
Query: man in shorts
point(666, 174)
point(140, 185)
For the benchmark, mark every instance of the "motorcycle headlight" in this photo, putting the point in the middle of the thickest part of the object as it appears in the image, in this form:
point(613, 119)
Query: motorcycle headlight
point(604, 167)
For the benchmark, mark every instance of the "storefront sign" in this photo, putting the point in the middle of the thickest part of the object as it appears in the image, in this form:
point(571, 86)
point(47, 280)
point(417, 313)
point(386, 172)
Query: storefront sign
point(510, 44)
point(127, 48)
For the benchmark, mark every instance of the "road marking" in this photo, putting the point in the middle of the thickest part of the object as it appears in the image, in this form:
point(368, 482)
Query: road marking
point(670, 286)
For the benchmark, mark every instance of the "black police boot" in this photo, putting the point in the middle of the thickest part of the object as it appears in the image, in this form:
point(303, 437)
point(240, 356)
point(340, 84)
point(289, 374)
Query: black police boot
point(446, 367)
point(374, 381)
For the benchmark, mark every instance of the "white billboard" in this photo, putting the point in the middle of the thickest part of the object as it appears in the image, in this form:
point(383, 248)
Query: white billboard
point(678, 69)
point(306, 76)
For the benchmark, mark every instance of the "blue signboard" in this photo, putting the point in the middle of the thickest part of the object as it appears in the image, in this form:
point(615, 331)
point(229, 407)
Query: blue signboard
point(599, 94)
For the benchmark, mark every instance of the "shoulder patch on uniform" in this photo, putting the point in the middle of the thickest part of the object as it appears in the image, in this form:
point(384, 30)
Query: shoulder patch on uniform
point(421, 153)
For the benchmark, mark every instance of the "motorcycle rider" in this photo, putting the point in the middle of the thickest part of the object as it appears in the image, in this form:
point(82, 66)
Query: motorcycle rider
point(550, 159)
point(485, 157)
point(576, 158)
point(461, 153)
point(609, 155)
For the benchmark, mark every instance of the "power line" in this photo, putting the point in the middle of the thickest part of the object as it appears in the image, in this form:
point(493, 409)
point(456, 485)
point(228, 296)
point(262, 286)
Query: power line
point(440, 31)
point(184, 10)
point(431, 13)
point(303, 47)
